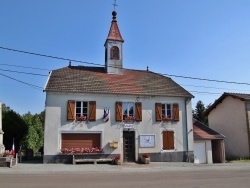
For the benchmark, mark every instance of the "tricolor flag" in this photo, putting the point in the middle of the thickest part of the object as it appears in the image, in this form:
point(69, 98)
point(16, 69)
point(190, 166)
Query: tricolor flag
point(13, 149)
point(106, 115)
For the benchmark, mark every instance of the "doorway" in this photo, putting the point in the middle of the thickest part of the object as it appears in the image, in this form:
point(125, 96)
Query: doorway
point(128, 146)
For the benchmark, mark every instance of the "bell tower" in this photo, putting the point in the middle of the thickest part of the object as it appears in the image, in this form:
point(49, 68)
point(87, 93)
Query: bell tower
point(113, 49)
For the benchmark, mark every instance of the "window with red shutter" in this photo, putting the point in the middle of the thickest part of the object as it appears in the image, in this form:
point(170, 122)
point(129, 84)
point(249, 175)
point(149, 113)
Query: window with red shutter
point(176, 112)
point(92, 111)
point(71, 111)
point(167, 112)
point(118, 110)
point(81, 110)
point(158, 112)
point(138, 111)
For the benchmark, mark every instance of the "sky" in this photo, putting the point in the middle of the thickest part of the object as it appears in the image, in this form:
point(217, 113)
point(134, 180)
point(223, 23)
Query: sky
point(182, 39)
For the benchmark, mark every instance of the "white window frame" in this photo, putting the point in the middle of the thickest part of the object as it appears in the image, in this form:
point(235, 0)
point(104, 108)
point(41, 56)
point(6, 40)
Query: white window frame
point(129, 104)
point(81, 109)
point(166, 109)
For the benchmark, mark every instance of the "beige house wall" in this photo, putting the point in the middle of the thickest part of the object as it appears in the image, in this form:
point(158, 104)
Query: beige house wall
point(229, 118)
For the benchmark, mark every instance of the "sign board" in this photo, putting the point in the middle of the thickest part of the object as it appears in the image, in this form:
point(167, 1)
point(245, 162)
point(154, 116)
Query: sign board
point(128, 126)
point(147, 141)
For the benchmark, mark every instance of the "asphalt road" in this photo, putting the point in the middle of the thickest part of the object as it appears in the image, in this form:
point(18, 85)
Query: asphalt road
point(139, 176)
point(199, 179)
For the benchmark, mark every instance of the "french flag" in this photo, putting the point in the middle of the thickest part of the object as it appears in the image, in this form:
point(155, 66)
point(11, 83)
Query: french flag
point(13, 150)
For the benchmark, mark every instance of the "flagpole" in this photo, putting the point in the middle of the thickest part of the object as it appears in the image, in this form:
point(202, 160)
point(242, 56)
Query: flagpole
point(13, 148)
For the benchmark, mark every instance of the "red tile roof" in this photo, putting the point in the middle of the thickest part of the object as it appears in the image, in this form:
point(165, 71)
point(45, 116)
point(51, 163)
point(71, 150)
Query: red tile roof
point(96, 80)
point(240, 96)
point(203, 132)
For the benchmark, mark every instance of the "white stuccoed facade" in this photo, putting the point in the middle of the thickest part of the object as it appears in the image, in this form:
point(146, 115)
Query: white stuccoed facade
point(56, 123)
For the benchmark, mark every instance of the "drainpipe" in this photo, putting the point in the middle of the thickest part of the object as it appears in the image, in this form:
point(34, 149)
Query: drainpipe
point(187, 152)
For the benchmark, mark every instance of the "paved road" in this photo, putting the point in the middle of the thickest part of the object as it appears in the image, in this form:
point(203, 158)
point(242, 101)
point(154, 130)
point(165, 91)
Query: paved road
point(155, 175)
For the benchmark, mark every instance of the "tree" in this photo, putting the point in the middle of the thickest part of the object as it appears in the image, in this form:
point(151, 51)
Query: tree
point(35, 136)
point(199, 111)
point(13, 127)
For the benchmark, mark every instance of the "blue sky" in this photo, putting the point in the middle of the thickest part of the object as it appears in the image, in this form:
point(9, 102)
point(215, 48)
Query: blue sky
point(193, 38)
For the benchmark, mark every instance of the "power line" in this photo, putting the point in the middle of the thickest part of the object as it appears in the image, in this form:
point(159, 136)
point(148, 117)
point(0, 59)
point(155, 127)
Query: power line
point(23, 72)
point(171, 75)
point(49, 56)
point(205, 79)
point(28, 84)
point(197, 92)
point(210, 87)
point(204, 92)
point(11, 65)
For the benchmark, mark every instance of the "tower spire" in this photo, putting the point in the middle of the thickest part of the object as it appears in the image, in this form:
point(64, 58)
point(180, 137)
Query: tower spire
point(113, 47)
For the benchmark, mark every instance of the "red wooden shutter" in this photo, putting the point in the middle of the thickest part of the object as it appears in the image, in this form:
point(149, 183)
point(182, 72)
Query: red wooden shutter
point(158, 112)
point(165, 141)
point(138, 111)
point(92, 111)
point(168, 140)
point(71, 111)
point(118, 110)
point(176, 112)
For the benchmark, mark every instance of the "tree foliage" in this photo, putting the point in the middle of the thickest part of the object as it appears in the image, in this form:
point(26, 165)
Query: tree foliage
point(14, 127)
point(199, 111)
point(35, 136)
point(28, 129)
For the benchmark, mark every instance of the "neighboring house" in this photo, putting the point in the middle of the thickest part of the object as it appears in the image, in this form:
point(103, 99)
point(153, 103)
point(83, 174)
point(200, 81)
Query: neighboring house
point(124, 112)
point(230, 115)
point(209, 146)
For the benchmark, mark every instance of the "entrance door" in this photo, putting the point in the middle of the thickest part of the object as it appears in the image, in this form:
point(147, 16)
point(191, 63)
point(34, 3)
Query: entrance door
point(129, 146)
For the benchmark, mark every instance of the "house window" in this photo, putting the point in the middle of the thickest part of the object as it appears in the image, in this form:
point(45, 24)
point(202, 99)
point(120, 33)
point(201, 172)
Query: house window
point(168, 140)
point(127, 110)
point(81, 110)
point(165, 111)
point(124, 110)
point(114, 53)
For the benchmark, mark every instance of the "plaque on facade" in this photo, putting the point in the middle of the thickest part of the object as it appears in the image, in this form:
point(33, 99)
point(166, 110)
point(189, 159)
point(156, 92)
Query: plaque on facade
point(128, 126)
point(147, 141)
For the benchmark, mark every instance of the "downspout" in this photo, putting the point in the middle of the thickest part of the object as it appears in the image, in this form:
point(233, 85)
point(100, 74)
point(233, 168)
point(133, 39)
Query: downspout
point(187, 152)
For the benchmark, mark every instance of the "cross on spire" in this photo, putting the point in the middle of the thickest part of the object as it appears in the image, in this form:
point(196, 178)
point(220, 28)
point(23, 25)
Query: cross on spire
point(115, 5)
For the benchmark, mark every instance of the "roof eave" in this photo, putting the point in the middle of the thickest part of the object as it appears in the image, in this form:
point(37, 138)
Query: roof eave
point(117, 93)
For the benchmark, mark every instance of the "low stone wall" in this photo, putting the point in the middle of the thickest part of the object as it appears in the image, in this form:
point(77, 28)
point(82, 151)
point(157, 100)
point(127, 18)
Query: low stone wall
point(172, 157)
point(68, 158)
point(154, 157)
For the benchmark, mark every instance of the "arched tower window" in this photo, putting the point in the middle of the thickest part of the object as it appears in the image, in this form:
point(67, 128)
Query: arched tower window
point(114, 53)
